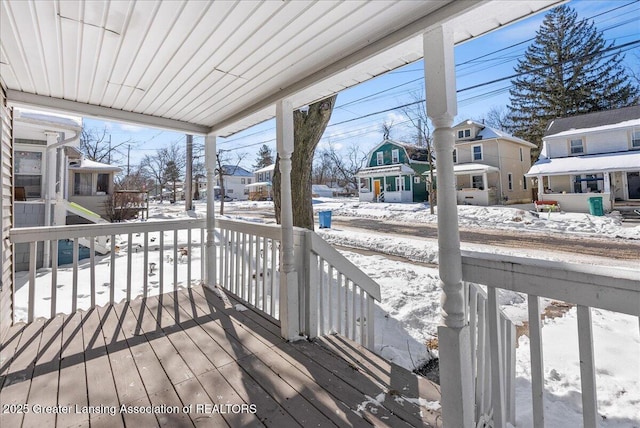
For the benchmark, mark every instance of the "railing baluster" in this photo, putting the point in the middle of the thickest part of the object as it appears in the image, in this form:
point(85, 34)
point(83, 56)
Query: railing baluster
point(482, 387)
point(371, 307)
point(312, 296)
point(330, 297)
point(189, 257)
point(321, 304)
point(363, 320)
point(129, 264)
point(203, 257)
point(353, 311)
point(587, 367)
point(54, 276)
point(145, 264)
point(175, 259)
point(537, 369)
point(33, 260)
point(265, 273)
point(250, 263)
point(112, 274)
point(161, 262)
point(339, 305)
point(346, 307)
point(221, 258)
point(74, 298)
point(497, 373)
point(274, 283)
point(473, 327)
point(92, 270)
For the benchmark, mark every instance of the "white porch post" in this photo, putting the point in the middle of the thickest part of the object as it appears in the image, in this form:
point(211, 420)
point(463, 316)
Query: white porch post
point(210, 163)
point(485, 181)
point(540, 187)
point(453, 335)
point(49, 191)
point(289, 306)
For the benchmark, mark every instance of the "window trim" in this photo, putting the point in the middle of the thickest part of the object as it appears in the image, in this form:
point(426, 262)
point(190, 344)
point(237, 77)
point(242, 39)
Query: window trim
point(582, 146)
point(395, 156)
point(379, 158)
point(510, 181)
point(473, 152)
point(455, 156)
point(633, 140)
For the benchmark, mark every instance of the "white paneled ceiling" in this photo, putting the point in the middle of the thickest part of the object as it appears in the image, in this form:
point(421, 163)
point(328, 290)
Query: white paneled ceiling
point(202, 66)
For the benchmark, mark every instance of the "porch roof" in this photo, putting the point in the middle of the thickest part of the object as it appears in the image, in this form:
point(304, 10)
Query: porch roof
point(607, 162)
point(374, 171)
point(173, 65)
point(470, 168)
point(258, 184)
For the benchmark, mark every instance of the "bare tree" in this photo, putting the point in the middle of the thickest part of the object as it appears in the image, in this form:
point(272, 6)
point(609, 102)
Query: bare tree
point(497, 117)
point(156, 165)
point(417, 115)
point(343, 165)
point(386, 129)
point(308, 127)
point(226, 166)
point(96, 145)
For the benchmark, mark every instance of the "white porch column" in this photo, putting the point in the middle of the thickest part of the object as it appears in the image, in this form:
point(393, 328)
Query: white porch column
point(210, 163)
point(289, 296)
point(453, 336)
point(540, 187)
point(49, 191)
point(485, 181)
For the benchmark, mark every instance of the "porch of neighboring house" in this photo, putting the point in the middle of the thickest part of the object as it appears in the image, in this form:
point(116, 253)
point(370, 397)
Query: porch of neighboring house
point(476, 184)
point(202, 363)
point(388, 183)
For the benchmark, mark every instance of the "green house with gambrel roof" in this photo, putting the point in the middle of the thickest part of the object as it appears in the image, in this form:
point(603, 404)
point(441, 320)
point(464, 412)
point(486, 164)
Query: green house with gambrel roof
point(394, 173)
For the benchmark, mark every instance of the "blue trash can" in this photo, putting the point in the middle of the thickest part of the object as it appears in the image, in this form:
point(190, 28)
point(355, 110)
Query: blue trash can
point(595, 206)
point(324, 218)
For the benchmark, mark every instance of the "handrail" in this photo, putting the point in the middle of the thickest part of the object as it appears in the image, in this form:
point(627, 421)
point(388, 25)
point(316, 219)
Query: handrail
point(610, 288)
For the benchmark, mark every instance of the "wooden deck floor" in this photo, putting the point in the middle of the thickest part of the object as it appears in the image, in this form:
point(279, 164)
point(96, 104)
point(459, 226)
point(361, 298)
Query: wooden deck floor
point(188, 359)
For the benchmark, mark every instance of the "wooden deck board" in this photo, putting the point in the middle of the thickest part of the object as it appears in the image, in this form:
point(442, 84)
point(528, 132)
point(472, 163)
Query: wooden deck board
point(197, 360)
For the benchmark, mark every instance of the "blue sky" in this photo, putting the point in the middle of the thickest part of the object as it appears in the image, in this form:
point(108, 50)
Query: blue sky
point(477, 62)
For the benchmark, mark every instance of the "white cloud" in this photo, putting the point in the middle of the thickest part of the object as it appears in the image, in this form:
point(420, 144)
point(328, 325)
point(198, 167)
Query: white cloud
point(131, 128)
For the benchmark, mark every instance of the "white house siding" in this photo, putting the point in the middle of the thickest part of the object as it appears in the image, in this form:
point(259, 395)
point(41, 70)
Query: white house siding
point(6, 198)
point(234, 187)
point(605, 141)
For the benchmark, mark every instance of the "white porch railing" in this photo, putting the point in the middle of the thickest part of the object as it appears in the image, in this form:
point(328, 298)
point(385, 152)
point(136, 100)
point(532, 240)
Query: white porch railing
point(158, 257)
point(585, 286)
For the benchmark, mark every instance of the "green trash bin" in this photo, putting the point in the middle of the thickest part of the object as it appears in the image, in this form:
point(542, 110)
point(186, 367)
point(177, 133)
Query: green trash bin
point(595, 206)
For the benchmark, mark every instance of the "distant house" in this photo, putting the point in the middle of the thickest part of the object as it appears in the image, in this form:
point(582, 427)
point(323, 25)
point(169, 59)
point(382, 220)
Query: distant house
point(236, 179)
point(91, 184)
point(393, 173)
point(322, 191)
point(261, 189)
point(490, 165)
point(591, 155)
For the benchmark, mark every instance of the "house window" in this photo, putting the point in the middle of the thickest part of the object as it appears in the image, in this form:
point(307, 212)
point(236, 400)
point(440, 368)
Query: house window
point(248, 181)
point(455, 155)
point(524, 182)
point(380, 158)
point(102, 186)
point(477, 152)
point(635, 140)
point(260, 177)
point(416, 180)
point(395, 156)
point(399, 184)
point(510, 181)
point(228, 190)
point(476, 182)
point(576, 146)
point(267, 176)
point(464, 133)
point(28, 172)
point(242, 181)
point(82, 184)
point(521, 158)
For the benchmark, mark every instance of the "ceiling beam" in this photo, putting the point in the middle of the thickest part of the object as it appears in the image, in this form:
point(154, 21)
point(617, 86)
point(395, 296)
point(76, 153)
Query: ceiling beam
point(27, 100)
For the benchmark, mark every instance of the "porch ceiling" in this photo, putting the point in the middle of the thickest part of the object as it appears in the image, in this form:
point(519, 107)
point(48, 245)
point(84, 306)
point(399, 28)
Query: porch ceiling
point(216, 66)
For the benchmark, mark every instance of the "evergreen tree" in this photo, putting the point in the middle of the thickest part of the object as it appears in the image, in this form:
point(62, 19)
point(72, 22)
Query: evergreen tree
point(265, 157)
point(172, 174)
point(568, 70)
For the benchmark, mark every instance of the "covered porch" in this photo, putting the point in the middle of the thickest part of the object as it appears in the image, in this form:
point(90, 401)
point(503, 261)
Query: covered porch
point(476, 184)
point(391, 183)
point(276, 272)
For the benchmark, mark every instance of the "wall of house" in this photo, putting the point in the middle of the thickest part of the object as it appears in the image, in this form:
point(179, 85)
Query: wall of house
point(386, 150)
point(489, 152)
point(6, 211)
point(235, 188)
point(92, 203)
point(27, 214)
point(511, 163)
point(607, 141)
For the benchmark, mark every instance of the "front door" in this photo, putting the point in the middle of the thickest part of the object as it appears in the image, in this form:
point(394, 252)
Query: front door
point(633, 180)
point(376, 188)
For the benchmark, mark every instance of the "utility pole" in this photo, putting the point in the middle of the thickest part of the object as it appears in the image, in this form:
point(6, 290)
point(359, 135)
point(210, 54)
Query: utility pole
point(420, 132)
point(188, 195)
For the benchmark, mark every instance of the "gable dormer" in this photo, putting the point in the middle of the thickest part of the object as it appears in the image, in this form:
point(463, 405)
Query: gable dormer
point(467, 130)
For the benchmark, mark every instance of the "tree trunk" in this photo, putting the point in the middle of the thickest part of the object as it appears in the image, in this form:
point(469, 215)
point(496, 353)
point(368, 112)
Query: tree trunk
point(308, 128)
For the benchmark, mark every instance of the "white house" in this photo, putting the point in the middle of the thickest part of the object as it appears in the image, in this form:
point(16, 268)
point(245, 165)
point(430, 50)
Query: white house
point(591, 155)
point(260, 189)
point(236, 179)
